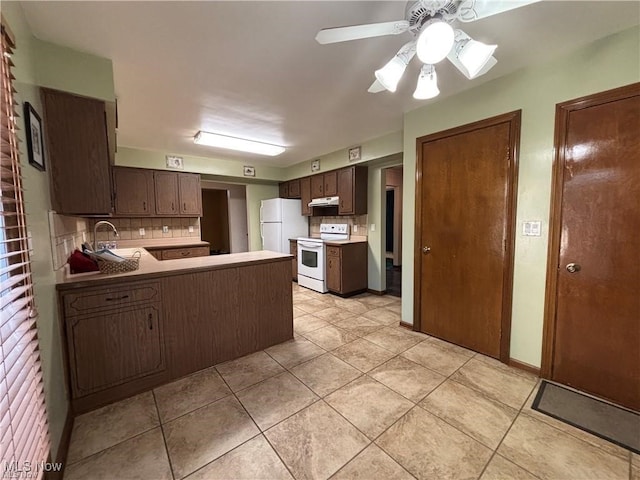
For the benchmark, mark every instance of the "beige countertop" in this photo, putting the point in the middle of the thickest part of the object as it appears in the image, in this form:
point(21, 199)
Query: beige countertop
point(151, 268)
point(163, 243)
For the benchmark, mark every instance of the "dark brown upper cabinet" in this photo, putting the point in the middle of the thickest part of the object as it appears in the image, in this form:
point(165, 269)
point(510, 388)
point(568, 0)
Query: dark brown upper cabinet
point(166, 193)
point(330, 183)
point(317, 186)
point(305, 195)
point(294, 188)
point(189, 194)
point(284, 190)
point(352, 190)
point(134, 191)
point(78, 153)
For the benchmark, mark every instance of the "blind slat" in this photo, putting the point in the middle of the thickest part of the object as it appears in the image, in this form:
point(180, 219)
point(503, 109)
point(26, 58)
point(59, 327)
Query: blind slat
point(15, 293)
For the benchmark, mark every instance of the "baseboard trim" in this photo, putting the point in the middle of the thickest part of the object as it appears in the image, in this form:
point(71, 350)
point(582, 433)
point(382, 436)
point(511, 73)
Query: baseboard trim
point(376, 292)
point(63, 448)
point(408, 326)
point(524, 366)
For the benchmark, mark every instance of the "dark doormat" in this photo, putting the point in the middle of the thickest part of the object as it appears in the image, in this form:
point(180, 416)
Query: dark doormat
point(615, 424)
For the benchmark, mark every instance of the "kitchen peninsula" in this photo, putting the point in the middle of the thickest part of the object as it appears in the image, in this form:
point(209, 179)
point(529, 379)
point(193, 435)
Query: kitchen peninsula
point(130, 332)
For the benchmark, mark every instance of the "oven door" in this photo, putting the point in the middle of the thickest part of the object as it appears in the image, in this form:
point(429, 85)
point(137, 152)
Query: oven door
point(311, 259)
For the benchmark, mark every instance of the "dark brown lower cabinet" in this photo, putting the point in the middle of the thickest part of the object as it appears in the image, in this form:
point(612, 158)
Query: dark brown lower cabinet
point(293, 250)
point(131, 336)
point(347, 268)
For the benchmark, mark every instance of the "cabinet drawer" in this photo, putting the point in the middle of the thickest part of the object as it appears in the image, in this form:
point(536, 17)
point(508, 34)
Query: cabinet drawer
point(105, 298)
point(175, 253)
point(333, 251)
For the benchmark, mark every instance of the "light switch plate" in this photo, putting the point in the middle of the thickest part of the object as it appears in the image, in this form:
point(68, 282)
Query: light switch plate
point(165, 229)
point(141, 232)
point(355, 228)
point(373, 227)
point(190, 229)
point(532, 228)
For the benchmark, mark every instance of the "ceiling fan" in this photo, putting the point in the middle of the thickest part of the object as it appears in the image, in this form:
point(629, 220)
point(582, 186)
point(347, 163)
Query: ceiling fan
point(430, 23)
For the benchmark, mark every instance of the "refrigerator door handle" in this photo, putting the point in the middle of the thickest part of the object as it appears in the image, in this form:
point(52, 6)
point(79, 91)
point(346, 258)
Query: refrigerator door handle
point(262, 233)
point(261, 220)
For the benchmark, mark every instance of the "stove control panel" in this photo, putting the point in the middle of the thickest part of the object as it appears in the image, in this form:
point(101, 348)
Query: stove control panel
point(336, 228)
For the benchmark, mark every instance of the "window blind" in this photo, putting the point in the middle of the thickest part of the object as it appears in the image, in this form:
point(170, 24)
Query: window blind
point(24, 438)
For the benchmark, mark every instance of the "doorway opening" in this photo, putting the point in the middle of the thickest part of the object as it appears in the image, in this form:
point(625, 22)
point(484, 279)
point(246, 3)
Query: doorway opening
point(224, 218)
point(393, 230)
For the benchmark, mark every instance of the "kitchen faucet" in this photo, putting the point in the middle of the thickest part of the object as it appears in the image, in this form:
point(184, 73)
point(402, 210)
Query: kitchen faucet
point(95, 232)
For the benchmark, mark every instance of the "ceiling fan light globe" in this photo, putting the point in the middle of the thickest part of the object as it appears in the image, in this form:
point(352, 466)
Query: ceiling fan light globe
point(474, 56)
point(427, 86)
point(391, 73)
point(435, 42)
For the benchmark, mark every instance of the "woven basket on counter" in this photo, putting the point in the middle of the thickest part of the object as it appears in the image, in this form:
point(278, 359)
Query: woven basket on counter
point(128, 265)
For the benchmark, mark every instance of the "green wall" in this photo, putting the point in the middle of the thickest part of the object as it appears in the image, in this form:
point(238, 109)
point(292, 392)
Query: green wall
point(607, 63)
point(136, 157)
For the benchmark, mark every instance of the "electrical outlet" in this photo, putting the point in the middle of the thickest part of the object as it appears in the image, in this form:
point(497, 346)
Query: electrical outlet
point(65, 246)
point(141, 232)
point(165, 229)
point(373, 227)
point(355, 228)
point(190, 229)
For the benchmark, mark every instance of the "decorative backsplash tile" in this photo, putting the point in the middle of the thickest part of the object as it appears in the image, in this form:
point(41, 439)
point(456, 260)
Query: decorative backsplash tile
point(67, 234)
point(351, 220)
point(129, 228)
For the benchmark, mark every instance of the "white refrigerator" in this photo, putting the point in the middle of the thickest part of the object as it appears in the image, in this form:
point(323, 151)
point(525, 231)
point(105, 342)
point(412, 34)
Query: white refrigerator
point(280, 220)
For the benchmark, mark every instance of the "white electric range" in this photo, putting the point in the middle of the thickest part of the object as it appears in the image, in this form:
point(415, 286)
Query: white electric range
point(312, 256)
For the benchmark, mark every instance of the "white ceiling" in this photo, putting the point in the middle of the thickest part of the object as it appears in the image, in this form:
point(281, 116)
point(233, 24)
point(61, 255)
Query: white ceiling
point(254, 70)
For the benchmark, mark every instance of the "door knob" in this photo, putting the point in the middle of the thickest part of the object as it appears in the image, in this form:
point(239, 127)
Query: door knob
point(573, 267)
point(426, 250)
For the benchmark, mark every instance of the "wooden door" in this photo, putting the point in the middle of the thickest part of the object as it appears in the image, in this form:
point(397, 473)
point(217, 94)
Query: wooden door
point(305, 195)
point(334, 271)
point(345, 190)
point(166, 186)
point(190, 194)
point(134, 191)
point(317, 186)
point(593, 298)
point(464, 234)
point(331, 184)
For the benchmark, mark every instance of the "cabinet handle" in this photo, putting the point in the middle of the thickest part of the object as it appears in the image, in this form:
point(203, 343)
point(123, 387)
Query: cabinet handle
point(173, 207)
point(111, 299)
point(151, 321)
point(185, 206)
point(185, 254)
point(144, 206)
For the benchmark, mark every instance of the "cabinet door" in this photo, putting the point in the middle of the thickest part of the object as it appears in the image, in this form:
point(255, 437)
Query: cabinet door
point(345, 191)
point(134, 191)
point(317, 186)
point(111, 348)
point(190, 194)
point(284, 190)
point(305, 195)
point(331, 184)
point(166, 186)
point(294, 188)
point(78, 153)
point(333, 274)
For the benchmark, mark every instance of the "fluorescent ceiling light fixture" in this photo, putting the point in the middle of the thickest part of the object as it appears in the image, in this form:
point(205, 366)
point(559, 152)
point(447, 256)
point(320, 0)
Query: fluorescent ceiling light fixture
point(435, 41)
point(427, 86)
point(233, 143)
point(392, 72)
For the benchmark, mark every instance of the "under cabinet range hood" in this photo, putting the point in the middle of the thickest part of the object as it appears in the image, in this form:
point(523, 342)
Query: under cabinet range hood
point(325, 202)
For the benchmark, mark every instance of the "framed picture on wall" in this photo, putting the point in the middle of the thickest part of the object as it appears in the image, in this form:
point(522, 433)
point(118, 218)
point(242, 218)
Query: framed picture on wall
point(35, 141)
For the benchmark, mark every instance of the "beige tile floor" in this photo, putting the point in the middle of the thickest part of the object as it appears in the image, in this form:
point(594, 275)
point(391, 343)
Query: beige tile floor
point(352, 396)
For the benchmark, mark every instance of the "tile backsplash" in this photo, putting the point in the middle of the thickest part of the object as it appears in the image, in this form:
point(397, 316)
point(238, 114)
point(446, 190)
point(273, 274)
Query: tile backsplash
point(129, 228)
point(67, 234)
point(351, 220)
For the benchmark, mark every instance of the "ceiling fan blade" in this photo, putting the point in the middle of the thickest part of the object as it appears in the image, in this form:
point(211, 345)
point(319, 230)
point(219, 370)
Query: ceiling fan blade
point(376, 87)
point(471, 10)
point(355, 32)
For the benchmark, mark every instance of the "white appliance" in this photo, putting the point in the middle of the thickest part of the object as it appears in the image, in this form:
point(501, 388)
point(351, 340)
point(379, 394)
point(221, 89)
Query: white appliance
point(312, 255)
point(280, 220)
point(324, 202)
